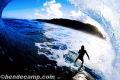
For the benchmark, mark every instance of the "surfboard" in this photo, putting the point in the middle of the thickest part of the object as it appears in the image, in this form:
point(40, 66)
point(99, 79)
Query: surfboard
point(82, 74)
point(73, 56)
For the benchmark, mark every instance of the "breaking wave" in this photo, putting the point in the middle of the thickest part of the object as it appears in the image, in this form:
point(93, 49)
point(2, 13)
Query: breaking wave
point(107, 14)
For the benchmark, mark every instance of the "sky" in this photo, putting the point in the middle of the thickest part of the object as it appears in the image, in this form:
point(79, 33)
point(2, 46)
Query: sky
point(43, 9)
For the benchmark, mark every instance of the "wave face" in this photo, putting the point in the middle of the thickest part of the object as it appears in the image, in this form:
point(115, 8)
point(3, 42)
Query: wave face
point(100, 51)
point(3, 4)
point(107, 13)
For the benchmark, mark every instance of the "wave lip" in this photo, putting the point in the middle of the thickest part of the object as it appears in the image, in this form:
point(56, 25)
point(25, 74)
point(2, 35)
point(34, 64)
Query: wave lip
point(107, 14)
point(3, 4)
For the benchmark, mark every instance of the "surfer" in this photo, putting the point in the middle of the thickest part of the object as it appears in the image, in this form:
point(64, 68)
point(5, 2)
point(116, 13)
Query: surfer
point(81, 53)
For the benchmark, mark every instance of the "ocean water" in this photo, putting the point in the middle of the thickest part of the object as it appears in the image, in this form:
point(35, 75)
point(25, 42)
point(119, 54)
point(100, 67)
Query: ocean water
point(100, 51)
point(57, 40)
point(107, 14)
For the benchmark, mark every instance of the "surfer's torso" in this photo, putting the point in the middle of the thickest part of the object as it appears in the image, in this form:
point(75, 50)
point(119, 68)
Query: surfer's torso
point(81, 54)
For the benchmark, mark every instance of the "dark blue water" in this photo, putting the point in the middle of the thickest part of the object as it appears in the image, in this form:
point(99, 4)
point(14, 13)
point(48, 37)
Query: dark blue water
point(18, 42)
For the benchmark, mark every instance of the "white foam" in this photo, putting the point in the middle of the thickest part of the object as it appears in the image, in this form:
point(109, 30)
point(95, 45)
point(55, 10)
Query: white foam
point(100, 51)
point(107, 13)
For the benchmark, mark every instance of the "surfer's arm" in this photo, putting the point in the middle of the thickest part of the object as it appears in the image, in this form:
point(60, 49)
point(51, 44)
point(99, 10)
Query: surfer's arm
point(87, 55)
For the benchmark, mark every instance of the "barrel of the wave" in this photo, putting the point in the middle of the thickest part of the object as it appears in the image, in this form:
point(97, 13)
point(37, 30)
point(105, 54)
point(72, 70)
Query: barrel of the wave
point(3, 4)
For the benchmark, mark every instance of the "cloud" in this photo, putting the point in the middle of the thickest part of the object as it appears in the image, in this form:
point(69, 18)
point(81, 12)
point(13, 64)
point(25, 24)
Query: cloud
point(49, 3)
point(42, 9)
point(36, 10)
point(53, 9)
point(50, 9)
point(83, 18)
point(78, 16)
point(41, 15)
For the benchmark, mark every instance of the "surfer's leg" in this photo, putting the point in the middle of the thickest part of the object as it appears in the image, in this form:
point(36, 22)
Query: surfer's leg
point(76, 59)
point(82, 63)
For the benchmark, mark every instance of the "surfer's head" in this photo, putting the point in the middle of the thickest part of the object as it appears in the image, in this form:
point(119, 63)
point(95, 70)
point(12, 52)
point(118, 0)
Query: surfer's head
point(82, 47)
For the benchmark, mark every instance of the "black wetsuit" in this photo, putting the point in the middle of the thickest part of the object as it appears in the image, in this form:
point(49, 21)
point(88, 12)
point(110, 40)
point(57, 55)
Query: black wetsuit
point(81, 54)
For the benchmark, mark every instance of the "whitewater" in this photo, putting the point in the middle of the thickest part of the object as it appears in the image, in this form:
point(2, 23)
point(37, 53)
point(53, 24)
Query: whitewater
point(100, 51)
point(104, 54)
point(107, 14)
